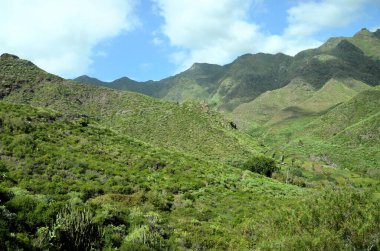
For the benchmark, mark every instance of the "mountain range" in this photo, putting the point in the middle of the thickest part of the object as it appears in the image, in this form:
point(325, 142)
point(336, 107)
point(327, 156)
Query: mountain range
point(262, 93)
point(226, 87)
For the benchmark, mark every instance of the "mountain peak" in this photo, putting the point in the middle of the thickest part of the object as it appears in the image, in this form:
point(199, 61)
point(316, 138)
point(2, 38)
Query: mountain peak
point(377, 33)
point(195, 66)
point(8, 56)
point(364, 32)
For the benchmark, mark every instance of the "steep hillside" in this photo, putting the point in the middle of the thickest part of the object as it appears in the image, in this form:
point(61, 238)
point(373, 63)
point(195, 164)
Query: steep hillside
point(249, 76)
point(190, 127)
point(368, 42)
point(346, 136)
point(321, 79)
point(362, 107)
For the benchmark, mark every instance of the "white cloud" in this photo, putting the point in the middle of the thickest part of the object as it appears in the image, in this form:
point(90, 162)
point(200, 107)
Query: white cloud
point(307, 18)
point(217, 31)
point(157, 41)
point(211, 30)
point(60, 35)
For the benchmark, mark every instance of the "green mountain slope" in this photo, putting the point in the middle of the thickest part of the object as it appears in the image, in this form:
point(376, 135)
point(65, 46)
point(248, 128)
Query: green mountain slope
point(63, 177)
point(222, 86)
point(346, 136)
point(363, 106)
point(227, 87)
point(48, 160)
point(298, 98)
point(190, 127)
point(367, 41)
point(84, 167)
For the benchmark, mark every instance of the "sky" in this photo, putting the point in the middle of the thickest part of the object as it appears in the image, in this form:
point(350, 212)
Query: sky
point(153, 39)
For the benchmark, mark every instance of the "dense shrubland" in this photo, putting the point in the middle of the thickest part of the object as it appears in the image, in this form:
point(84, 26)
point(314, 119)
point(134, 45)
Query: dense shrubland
point(71, 185)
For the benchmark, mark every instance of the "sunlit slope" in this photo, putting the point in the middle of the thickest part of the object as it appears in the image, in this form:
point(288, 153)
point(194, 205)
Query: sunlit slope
point(297, 99)
point(190, 127)
point(346, 135)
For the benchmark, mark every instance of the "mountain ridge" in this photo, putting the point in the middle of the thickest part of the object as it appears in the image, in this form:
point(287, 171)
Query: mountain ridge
point(158, 122)
point(241, 81)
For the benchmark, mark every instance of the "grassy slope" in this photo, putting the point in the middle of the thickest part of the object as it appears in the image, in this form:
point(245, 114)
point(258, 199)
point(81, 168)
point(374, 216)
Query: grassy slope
point(296, 99)
point(347, 134)
point(189, 127)
point(53, 159)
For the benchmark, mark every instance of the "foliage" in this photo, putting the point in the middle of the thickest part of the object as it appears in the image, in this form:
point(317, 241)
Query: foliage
point(262, 165)
point(75, 229)
point(330, 215)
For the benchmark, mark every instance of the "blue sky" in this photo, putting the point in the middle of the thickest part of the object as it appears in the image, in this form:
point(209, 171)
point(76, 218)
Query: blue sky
point(153, 39)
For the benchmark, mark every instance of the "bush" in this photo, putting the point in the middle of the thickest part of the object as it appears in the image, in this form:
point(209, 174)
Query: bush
point(262, 165)
point(330, 220)
point(75, 229)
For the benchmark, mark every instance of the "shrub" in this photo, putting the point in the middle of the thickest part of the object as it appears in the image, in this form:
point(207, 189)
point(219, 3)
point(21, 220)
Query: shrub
point(75, 229)
point(262, 165)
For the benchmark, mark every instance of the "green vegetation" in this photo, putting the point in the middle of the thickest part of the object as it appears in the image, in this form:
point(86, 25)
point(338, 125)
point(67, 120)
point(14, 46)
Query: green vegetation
point(261, 165)
point(189, 127)
point(346, 136)
point(90, 168)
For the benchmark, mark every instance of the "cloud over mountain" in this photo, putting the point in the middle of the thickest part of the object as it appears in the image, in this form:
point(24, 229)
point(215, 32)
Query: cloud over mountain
point(60, 36)
point(217, 31)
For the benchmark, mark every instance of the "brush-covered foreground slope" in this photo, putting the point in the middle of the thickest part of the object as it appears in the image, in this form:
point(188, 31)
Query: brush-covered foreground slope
point(189, 127)
point(347, 136)
point(226, 87)
point(72, 184)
